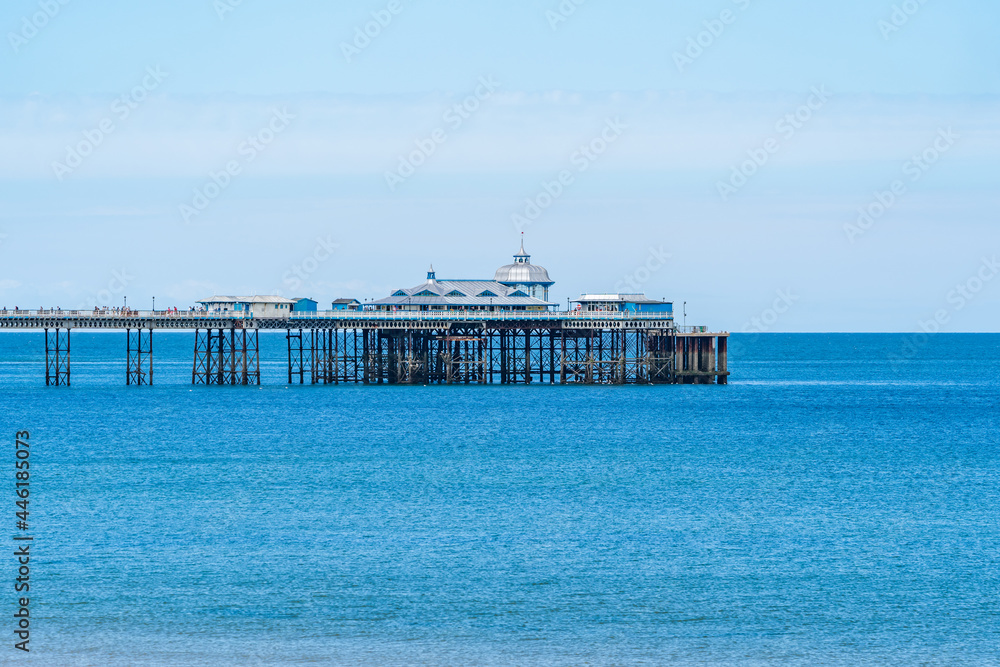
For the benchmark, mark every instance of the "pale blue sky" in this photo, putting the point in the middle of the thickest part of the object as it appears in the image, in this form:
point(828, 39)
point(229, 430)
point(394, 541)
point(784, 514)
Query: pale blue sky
point(887, 96)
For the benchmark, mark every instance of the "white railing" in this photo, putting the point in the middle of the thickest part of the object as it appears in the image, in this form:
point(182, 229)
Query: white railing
point(396, 315)
point(138, 314)
point(425, 315)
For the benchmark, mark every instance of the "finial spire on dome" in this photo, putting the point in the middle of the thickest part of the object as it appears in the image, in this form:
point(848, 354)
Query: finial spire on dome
point(430, 273)
point(522, 257)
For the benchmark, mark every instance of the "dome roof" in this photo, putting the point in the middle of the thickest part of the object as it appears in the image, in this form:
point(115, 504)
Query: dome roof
point(522, 271)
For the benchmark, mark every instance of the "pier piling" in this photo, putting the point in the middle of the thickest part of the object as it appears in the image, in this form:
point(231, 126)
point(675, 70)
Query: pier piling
point(57, 357)
point(139, 356)
point(226, 356)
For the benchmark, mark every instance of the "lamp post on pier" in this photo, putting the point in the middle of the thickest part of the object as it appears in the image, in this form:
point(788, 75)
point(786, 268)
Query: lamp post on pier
point(154, 305)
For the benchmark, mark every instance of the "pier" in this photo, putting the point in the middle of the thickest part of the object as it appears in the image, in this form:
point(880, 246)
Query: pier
point(407, 347)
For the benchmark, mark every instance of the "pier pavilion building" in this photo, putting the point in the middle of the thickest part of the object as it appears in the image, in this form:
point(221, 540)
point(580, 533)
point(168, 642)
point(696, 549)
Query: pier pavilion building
point(518, 286)
point(304, 304)
point(258, 306)
point(345, 304)
point(632, 303)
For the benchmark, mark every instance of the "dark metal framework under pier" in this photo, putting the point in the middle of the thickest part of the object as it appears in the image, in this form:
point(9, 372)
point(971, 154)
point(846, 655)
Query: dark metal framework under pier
point(57, 357)
point(226, 356)
point(139, 359)
point(507, 353)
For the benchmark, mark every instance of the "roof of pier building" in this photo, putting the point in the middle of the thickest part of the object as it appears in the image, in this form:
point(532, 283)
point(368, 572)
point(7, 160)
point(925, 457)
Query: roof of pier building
point(619, 297)
point(523, 272)
point(462, 294)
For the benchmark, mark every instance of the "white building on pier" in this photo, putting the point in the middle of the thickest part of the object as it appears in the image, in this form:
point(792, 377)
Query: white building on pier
point(518, 286)
point(257, 306)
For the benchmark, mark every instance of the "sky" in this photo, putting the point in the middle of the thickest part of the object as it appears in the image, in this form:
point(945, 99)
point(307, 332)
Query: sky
point(777, 165)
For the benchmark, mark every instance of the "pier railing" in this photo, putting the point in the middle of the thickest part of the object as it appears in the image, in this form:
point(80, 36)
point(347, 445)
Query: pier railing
point(308, 316)
point(475, 315)
point(119, 314)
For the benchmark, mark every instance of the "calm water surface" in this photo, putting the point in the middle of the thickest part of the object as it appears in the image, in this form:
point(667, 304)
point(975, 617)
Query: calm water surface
point(827, 507)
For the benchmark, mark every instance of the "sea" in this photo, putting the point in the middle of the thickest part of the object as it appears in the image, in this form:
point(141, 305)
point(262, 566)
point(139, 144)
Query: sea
point(837, 503)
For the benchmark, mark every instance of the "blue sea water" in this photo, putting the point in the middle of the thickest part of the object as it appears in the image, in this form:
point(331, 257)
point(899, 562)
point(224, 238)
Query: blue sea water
point(837, 503)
